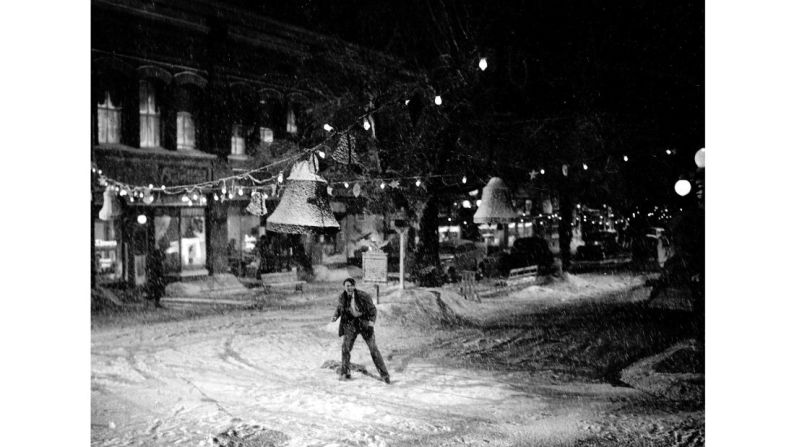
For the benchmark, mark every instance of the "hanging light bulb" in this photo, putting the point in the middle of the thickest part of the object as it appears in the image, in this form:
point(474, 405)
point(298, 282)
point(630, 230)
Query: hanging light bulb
point(625, 158)
point(142, 219)
point(437, 100)
point(281, 177)
point(483, 63)
point(683, 187)
point(215, 196)
point(321, 154)
point(185, 198)
point(584, 166)
point(123, 192)
point(231, 195)
point(347, 184)
point(366, 124)
point(162, 187)
point(464, 179)
point(418, 182)
point(223, 188)
point(327, 127)
point(466, 204)
point(407, 101)
point(542, 171)
point(194, 196)
point(382, 185)
point(668, 152)
point(239, 190)
point(700, 158)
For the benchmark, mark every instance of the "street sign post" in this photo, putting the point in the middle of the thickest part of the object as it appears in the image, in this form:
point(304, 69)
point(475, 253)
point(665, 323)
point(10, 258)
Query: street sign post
point(375, 263)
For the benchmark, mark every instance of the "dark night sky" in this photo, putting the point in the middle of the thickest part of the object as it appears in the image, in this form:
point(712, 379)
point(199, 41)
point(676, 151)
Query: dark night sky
point(641, 63)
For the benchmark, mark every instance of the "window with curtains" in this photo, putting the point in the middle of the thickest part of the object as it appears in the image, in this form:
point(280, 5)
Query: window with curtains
point(238, 139)
point(185, 131)
point(150, 115)
point(108, 121)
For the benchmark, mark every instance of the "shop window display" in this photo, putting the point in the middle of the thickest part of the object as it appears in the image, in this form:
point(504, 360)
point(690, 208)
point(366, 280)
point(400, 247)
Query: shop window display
point(181, 234)
point(107, 249)
point(242, 237)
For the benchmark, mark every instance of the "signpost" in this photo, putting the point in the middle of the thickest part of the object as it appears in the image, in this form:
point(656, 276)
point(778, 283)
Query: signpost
point(375, 264)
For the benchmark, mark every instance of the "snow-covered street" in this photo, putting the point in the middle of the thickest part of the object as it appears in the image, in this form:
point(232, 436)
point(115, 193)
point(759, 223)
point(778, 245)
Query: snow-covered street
point(260, 372)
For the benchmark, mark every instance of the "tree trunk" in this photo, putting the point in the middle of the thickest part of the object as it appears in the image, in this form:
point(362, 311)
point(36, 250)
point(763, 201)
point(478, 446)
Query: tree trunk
point(427, 265)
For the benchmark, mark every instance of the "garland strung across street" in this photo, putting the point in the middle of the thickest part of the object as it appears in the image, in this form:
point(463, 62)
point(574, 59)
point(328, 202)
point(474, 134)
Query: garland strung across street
point(255, 186)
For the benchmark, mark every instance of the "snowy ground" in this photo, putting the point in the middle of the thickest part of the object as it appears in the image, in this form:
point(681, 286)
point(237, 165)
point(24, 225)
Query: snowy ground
point(507, 371)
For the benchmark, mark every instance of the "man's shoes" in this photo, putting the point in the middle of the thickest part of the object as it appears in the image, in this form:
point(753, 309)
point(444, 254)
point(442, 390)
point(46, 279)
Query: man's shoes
point(344, 376)
point(387, 380)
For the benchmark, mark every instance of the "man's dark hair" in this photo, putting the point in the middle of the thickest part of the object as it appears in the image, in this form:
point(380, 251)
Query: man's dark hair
point(349, 280)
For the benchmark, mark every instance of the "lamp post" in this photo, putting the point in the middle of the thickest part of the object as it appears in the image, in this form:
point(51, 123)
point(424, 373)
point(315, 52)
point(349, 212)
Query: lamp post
point(400, 222)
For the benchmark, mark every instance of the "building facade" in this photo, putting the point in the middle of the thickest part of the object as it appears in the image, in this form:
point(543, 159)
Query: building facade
point(189, 92)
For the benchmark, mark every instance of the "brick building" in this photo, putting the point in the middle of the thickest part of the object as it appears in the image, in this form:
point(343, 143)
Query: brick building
point(191, 91)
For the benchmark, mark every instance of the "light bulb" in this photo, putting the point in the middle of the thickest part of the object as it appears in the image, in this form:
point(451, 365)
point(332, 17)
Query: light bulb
point(382, 185)
point(142, 219)
point(437, 100)
point(478, 202)
point(184, 198)
point(584, 166)
point(625, 158)
point(407, 101)
point(321, 154)
point(700, 158)
point(330, 190)
point(223, 189)
point(542, 172)
point(668, 152)
point(195, 196)
point(466, 204)
point(162, 187)
point(464, 179)
point(327, 127)
point(240, 191)
point(683, 187)
point(281, 177)
point(366, 124)
point(418, 182)
point(347, 184)
point(483, 63)
point(215, 196)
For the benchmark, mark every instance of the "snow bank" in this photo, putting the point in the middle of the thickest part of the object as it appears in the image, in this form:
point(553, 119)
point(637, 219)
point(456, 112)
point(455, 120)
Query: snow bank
point(219, 284)
point(325, 274)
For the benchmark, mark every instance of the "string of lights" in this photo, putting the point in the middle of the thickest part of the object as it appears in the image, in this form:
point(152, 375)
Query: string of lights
point(240, 182)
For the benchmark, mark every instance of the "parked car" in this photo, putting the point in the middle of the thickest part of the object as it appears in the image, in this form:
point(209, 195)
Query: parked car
point(458, 255)
point(598, 246)
point(526, 251)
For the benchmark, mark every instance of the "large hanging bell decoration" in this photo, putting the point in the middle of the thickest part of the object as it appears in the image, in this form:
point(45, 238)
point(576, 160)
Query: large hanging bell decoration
point(304, 207)
point(495, 206)
point(111, 207)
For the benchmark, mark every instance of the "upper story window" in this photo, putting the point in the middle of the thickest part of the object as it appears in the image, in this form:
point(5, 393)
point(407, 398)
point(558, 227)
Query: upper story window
point(150, 115)
point(292, 126)
point(108, 121)
point(238, 139)
point(185, 131)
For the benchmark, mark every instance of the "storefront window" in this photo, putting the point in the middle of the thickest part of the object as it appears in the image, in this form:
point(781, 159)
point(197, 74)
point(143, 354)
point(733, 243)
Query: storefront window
point(107, 251)
point(181, 234)
point(194, 242)
point(241, 241)
point(166, 236)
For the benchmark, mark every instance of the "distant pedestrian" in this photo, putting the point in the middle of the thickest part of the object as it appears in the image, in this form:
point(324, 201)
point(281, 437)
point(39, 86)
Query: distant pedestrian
point(358, 317)
point(156, 275)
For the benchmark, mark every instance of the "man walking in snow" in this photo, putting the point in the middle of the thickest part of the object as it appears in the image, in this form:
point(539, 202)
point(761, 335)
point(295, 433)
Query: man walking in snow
point(358, 317)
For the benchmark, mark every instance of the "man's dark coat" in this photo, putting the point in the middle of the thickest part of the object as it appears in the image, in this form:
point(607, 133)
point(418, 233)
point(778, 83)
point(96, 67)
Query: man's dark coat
point(364, 305)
